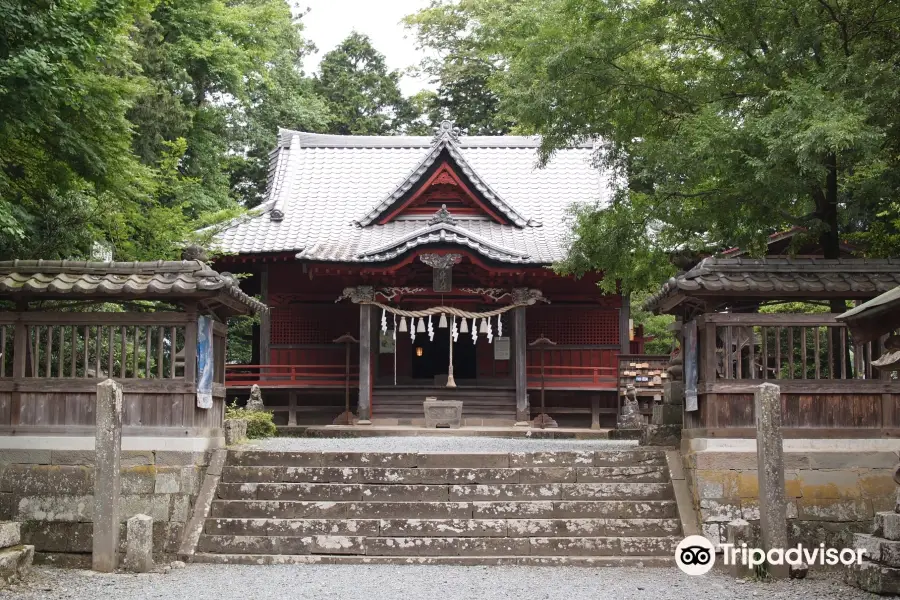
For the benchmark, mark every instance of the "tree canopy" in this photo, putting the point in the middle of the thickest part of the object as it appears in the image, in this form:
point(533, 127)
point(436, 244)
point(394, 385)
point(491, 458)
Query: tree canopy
point(723, 120)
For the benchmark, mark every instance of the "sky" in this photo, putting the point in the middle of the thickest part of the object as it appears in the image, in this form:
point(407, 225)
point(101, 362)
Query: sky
point(330, 21)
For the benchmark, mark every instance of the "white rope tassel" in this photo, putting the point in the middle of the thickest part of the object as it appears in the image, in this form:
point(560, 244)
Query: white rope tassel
point(383, 321)
point(490, 332)
point(474, 330)
point(464, 325)
point(454, 330)
point(412, 330)
point(430, 330)
point(499, 325)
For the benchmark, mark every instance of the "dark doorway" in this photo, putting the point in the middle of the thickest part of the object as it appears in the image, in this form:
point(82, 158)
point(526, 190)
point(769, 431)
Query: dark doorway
point(435, 356)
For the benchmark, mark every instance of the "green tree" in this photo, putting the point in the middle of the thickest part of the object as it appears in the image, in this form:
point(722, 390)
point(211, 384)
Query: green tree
point(459, 68)
point(362, 95)
point(728, 119)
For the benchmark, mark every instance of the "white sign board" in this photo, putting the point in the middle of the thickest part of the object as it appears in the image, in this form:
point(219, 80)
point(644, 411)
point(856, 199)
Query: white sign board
point(386, 343)
point(501, 348)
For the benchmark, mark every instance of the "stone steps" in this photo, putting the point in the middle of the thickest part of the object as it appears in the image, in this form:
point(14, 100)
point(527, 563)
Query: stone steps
point(638, 562)
point(344, 492)
point(588, 508)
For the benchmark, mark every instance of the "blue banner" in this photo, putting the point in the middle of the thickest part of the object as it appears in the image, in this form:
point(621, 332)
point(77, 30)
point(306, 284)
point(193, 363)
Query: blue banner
point(204, 362)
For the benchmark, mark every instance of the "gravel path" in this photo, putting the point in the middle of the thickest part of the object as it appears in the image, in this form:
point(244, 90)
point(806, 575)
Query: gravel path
point(432, 444)
point(377, 582)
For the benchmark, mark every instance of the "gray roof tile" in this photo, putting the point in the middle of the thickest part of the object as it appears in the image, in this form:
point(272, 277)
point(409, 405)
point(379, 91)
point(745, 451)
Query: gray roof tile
point(323, 184)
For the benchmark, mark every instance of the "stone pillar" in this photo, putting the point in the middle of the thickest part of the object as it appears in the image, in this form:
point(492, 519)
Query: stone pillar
point(770, 466)
point(107, 478)
point(740, 532)
point(523, 412)
point(365, 364)
point(139, 544)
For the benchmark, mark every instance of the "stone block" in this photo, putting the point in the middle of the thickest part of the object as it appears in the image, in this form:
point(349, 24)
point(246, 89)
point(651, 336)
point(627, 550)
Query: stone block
point(168, 480)
point(391, 476)
point(155, 506)
point(10, 534)
point(57, 536)
point(721, 510)
point(191, 480)
point(455, 460)
point(308, 474)
point(666, 434)
point(399, 493)
point(502, 491)
point(412, 546)
point(890, 525)
point(740, 532)
point(472, 476)
point(560, 546)
point(138, 480)
point(444, 528)
point(235, 431)
point(874, 578)
point(673, 392)
point(169, 458)
point(369, 459)
point(181, 508)
point(56, 508)
point(829, 484)
point(139, 544)
point(548, 474)
point(833, 535)
point(813, 509)
point(494, 546)
point(552, 459)
point(877, 484)
point(712, 532)
point(15, 563)
point(9, 506)
point(338, 544)
point(750, 509)
point(25, 457)
point(137, 458)
point(253, 474)
point(852, 460)
point(668, 414)
point(878, 549)
point(47, 480)
point(443, 413)
point(72, 457)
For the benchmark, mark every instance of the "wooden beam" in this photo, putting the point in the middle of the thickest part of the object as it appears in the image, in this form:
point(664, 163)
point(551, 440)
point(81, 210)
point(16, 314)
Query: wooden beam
point(265, 321)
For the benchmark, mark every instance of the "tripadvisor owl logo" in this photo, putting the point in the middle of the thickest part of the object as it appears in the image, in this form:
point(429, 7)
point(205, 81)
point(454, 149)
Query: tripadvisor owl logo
point(695, 555)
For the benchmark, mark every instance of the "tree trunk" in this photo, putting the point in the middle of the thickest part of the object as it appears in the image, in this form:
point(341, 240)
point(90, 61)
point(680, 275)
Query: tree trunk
point(830, 240)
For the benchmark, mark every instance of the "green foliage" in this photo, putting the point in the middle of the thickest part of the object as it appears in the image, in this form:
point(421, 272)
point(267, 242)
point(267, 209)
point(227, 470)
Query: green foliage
point(728, 119)
point(362, 96)
point(239, 347)
point(460, 72)
point(656, 327)
point(260, 423)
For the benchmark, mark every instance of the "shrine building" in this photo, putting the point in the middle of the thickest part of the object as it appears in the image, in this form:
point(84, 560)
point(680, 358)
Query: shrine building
point(420, 267)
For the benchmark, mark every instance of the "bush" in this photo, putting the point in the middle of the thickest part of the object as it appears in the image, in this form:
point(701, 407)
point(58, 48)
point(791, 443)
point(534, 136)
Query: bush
point(259, 422)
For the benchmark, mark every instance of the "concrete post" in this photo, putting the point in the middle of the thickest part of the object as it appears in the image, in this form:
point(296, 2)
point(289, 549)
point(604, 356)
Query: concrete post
point(139, 544)
point(107, 478)
point(770, 466)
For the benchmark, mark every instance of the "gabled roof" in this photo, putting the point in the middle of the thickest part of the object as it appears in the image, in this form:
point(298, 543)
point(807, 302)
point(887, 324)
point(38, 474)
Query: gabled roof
point(778, 279)
point(445, 140)
point(326, 193)
point(158, 280)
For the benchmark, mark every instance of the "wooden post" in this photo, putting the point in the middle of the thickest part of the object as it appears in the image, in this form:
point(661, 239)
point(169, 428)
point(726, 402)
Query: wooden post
point(346, 417)
point(624, 328)
point(190, 363)
point(365, 364)
point(107, 476)
point(543, 419)
point(20, 359)
point(523, 413)
point(265, 323)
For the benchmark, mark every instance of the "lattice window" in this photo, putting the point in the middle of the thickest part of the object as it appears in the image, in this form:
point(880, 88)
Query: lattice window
point(313, 323)
point(573, 325)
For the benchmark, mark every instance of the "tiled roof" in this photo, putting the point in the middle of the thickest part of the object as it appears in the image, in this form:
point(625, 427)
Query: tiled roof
point(326, 191)
point(160, 280)
point(778, 278)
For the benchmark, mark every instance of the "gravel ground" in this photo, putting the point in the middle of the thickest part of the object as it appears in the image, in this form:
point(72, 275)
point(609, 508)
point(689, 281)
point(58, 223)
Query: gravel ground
point(433, 444)
point(377, 582)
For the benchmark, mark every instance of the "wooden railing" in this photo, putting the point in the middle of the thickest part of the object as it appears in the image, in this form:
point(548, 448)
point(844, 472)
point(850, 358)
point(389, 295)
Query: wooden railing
point(94, 345)
point(784, 346)
point(556, 377)
point(289, 375)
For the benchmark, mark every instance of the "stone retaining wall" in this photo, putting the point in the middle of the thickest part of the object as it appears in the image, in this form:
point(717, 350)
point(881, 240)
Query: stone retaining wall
point(51, 493)
point(831, 494)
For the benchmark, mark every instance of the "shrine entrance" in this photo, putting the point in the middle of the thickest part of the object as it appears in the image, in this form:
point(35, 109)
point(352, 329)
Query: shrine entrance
point(431, 358)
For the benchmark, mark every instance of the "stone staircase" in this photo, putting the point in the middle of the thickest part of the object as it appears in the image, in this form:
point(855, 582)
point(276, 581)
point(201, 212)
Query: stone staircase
point(587, 508)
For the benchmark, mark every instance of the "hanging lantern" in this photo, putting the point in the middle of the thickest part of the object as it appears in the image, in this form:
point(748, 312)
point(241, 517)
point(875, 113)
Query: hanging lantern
point(430, 329)
point(464, 326)
point(383, 321)
point(421, 327)
point(442, 323)
point(500, 325)
point(484, 326)
point(402, 324)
